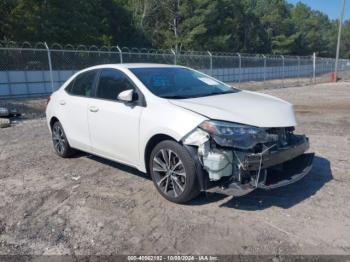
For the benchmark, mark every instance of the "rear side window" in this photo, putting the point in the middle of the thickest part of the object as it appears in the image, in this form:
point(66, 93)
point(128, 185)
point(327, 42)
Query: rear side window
point(69, 87)
point(83, 84)
point(111, 83)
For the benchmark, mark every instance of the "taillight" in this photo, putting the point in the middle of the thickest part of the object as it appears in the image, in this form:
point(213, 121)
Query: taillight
point(48, 100)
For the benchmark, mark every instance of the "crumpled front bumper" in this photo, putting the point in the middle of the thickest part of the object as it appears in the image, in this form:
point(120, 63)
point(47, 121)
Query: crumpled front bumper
point(268, 159)
point(280, 168)
point(293, 171)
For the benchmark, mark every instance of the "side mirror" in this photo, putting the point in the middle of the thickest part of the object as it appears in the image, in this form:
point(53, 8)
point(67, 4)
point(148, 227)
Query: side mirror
point(126, 96)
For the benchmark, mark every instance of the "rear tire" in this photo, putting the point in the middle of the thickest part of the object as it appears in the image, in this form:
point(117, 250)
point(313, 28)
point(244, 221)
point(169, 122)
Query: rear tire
point(173, 172)
point(60, 141)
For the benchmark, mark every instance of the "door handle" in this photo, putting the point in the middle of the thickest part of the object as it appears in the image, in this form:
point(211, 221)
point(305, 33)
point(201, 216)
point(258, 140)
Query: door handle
point(62, 102)
point(93, 109)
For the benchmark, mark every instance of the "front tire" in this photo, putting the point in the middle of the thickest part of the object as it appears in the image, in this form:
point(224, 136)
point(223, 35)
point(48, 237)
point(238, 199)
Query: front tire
point(60, 141)
point(173, 172)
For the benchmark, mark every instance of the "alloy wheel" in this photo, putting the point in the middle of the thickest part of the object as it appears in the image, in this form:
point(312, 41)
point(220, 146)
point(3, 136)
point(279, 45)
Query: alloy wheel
point(169, 172)
point(59, 140)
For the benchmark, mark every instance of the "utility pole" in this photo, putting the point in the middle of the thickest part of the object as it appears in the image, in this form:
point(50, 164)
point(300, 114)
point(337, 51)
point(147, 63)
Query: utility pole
point(341, 17)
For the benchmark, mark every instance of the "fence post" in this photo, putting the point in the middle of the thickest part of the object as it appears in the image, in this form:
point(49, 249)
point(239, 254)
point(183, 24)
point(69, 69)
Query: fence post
point(211, 62)
point(264, 67)
point(240, 67)
point(50, 65)
point(314, 68)
point(120, 54)
point(174, 53)
point(282, 70)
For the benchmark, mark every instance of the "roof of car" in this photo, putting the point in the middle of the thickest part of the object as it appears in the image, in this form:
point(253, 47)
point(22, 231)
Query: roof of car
point(138, 65)
point(133, 65)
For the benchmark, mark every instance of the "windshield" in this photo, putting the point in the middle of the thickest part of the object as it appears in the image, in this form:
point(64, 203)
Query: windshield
point(180, 83)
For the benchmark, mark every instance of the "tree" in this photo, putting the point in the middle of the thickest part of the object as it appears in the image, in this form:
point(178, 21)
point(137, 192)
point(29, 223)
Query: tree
point(254, 26)
point(75, 22)
point(345, 41)
point(313, 29)
point(276, 19)
point(6, 6)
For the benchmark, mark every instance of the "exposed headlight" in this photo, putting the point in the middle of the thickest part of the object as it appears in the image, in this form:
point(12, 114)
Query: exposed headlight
point(234, 135)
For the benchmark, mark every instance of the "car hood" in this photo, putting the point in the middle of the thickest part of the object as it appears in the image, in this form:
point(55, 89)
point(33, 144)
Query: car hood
point(243, 107)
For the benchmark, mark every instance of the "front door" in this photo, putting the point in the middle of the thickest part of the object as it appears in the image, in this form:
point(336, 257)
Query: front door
point(113, 124)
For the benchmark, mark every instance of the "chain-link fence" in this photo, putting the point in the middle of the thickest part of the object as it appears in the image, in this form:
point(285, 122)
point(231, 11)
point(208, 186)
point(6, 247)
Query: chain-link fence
point(37, 70)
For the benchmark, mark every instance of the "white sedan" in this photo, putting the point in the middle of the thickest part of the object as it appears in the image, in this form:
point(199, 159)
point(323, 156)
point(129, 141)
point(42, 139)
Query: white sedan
point(189, 131)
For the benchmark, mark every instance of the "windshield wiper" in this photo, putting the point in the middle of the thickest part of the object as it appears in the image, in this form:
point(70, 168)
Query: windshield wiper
point(175, 97)
point(219, 93)
point(199, 95)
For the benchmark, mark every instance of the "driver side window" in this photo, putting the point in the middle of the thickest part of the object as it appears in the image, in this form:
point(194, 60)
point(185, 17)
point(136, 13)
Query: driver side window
point(111, 83)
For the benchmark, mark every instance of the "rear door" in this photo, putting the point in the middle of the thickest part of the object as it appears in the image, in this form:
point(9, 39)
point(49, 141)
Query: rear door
point(113, 124)
point(74, 105)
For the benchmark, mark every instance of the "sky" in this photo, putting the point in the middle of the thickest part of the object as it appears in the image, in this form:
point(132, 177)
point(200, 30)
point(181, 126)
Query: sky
point(329, 7)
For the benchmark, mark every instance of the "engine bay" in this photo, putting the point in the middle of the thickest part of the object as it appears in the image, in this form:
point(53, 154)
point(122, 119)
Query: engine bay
point(238, 171)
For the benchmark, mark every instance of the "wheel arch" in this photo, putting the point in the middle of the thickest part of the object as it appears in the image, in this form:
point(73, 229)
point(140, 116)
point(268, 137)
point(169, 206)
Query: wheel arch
point(152, 142)
point(192, 150)
point(52, 121)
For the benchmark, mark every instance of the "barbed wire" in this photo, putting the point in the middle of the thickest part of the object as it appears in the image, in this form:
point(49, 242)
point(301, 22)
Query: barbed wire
point(137, 50)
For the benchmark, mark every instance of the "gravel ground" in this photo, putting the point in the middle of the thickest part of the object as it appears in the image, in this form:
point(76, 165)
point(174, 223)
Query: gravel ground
point(87, 205)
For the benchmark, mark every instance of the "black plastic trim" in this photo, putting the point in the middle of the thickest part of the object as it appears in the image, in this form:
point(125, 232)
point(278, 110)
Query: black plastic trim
point(252, 161)
point(202, 179)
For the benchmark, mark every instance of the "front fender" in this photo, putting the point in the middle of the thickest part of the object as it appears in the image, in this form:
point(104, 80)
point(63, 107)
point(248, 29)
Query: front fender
point(166, 119)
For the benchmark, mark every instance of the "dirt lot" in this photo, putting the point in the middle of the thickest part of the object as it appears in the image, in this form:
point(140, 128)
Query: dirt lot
point(87, 205)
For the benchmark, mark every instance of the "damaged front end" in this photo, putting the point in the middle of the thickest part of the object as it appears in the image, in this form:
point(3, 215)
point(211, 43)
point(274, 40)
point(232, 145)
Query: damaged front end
point(236, 159)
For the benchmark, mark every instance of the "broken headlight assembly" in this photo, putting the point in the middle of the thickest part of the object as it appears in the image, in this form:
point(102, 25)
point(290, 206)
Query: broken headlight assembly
point(240, 136)
point(239, 158)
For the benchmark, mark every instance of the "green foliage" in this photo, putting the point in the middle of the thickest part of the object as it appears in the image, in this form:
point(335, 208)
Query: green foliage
point(68, 21)
point(255, 26)
point(345, 47)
